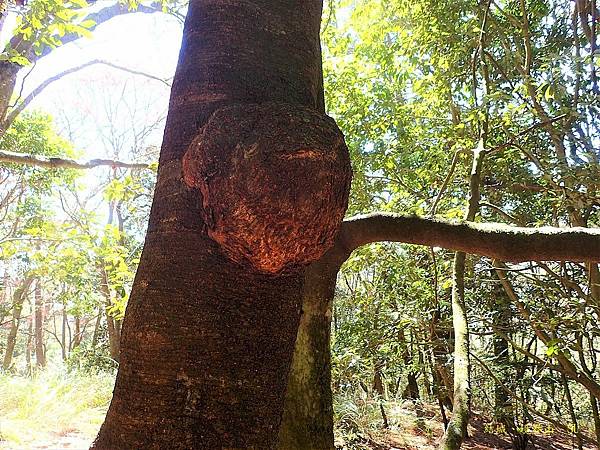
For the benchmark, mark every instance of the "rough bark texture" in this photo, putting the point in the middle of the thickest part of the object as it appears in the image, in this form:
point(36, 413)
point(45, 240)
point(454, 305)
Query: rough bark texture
point(274, 201)
point(207, 343)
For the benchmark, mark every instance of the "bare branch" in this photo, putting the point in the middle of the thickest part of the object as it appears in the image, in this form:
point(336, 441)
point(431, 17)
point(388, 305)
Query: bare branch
point(37, 91)
point(514, 244)
point(62, 163)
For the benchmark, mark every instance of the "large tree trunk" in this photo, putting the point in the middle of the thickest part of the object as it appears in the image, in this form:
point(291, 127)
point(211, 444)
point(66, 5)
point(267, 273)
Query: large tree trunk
point(207, 342)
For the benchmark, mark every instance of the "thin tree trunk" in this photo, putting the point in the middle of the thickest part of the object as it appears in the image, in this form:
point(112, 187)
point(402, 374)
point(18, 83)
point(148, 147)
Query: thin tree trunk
point(40, 354)
point(63, 333)
point(207, 342)
point(29, 346)
point(503, 408)
point(442, 380)
point(95, 335)
point(18, 299)
point(456, 431)
point(596, 416)
point(307, 422)
point(572, 414)
point(411, 391)
point(77, 335)
point(114, 336)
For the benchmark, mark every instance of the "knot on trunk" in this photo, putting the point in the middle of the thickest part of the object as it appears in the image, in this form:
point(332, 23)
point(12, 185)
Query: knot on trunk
point(275, 180)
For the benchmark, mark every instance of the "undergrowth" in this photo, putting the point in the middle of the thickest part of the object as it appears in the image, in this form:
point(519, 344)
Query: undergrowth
point(50, 404)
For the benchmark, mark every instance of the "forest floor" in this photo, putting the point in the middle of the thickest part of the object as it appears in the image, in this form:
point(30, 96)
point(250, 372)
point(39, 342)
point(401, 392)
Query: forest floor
point(58, 410)
point(406, 431)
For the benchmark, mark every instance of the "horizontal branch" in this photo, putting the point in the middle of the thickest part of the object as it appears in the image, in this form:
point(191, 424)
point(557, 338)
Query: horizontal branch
point(63, 163)
point(513, 244)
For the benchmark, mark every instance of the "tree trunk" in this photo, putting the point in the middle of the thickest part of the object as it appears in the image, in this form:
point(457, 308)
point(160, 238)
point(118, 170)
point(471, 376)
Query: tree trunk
point(18, 298)
point(596, 416)
point(114, 335)
point(63, 333)
point(411, 391)
point(8, 80)
point(442, 380)
point(40, 354)
point(96, 333)
point(504, 412)
point(207, 342)
point(456, 431)
point(307, 422)
point(77, 334)
point(29, 346)
point(572, 414)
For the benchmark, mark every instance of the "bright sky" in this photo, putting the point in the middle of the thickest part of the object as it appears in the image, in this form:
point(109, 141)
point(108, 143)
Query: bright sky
point(101, 109)
point(85, 103)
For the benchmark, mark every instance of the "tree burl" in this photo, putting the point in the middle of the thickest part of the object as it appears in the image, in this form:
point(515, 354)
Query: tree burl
point(274, 180)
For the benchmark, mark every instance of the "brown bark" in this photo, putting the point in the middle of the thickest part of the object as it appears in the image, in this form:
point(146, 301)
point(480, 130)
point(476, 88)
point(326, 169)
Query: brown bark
point(19, 297)
point(411, 391)
point(63, 333)
point(96, 333)
point(571, 409)
point(77, 334)
point(29, 346)
point(207, 343)
point(114, 335)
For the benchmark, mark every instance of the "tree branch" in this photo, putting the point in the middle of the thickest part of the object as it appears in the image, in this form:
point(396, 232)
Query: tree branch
point(25, 47)
point(514, 244)
point(62, 163)
point(556, 423)
point(37, 91)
